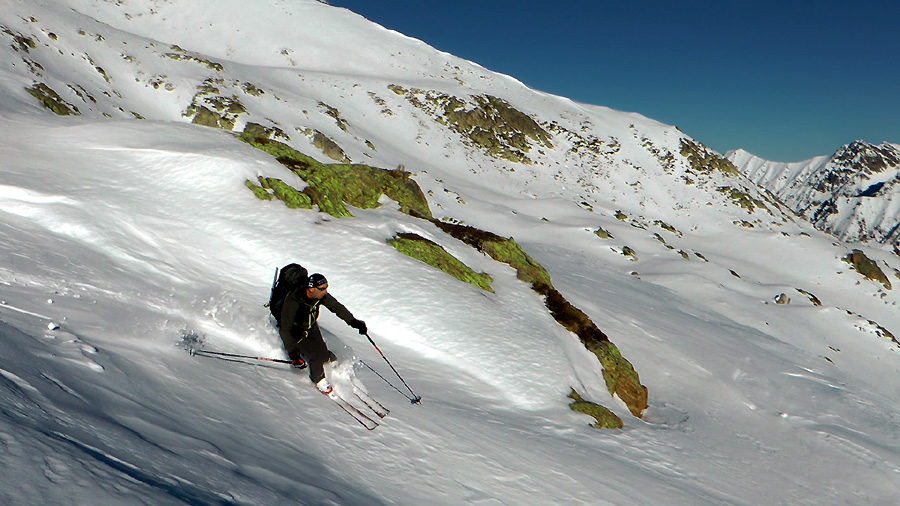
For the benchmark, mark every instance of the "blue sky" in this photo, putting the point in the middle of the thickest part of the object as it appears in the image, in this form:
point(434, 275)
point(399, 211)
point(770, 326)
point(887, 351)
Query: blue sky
point(785, 80)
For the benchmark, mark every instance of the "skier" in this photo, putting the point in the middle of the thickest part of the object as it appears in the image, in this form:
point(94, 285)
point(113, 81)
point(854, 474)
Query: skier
point(300, 332)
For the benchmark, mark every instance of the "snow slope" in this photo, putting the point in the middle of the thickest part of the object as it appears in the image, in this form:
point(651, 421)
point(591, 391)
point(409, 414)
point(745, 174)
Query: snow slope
point(118, 237)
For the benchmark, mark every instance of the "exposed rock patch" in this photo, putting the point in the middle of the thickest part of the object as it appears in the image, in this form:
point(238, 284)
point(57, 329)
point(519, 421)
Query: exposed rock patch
point(51, 100)
point(332, 185)
point(605, 419)
point(436, 256)
point(867, 267)
point(485, 121)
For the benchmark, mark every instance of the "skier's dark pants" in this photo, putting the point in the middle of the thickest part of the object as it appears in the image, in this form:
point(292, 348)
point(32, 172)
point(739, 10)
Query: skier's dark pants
point(316, 353)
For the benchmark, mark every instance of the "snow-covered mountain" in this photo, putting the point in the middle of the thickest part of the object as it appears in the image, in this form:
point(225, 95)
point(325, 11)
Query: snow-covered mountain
point(851, 194)
point(136, 216)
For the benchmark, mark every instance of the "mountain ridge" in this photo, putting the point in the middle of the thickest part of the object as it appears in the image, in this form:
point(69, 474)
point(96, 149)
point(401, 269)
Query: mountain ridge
point(848, 194)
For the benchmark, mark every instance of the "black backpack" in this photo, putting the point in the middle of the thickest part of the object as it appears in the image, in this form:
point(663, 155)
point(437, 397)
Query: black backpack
point(289, 279)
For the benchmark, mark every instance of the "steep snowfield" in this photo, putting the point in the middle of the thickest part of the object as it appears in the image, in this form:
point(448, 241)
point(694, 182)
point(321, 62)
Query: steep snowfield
point(118, 237)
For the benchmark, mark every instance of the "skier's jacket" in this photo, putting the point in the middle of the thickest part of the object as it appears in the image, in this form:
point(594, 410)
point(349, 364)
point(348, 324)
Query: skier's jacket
point(300, 313)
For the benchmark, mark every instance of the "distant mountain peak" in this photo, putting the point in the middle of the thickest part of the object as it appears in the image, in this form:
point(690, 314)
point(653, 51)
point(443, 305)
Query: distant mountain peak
point(849, 194)
point(861, 156)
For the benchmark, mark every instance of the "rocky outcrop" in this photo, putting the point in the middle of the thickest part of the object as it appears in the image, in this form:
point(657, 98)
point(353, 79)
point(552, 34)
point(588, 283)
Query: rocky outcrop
point(333, 185)
point(435, 255)
point(605, 419)
point(867, 267)
point(485, 121)
point(51, 100)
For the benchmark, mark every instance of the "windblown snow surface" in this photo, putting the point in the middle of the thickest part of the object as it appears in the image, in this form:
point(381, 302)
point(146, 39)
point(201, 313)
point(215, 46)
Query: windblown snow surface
point(120, 237)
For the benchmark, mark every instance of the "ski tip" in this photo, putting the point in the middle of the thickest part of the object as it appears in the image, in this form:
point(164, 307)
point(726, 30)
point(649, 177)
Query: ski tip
point(417, 400)
point(191, 351)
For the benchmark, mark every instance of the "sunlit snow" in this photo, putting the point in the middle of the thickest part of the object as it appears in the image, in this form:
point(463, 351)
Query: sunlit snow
point(120, 237)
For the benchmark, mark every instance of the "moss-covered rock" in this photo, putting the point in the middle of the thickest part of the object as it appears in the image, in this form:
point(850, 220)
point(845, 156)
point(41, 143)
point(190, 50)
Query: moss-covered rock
point(333, 185)
point(867, 267)
point(256, 130)
point(501, 249)
point(742, 199)
point(20, 42)
point(605, 419)
point(669, 228)
point(602, 233)
point(621, 378)
point(704, 160)
point(812, 298)
point(208, 118)
point(292, 197)
point(259, 191)
point(209, 108)
point(496, 126)
point(252, 89)
point(883, 332)
point(873, 327)
point(180, 54)
point(436, 256)
point(489, 122)
point(227, 105)
point(329, 147)
point(51, 100)
point(334, 113)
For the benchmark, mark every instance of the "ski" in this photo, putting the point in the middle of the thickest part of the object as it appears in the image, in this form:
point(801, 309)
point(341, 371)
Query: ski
point(371, 403)
point(209, 353)
point(353, 411)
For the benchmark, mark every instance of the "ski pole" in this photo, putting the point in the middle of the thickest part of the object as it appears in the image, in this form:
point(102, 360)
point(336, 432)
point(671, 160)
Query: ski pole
point(274, 282)
point(363, 362)
point(416, 399)
point(267, 359)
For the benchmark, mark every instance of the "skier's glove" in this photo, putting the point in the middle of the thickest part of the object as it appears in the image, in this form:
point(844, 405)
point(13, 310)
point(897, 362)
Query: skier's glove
point(296, 360)
point(359, 325)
